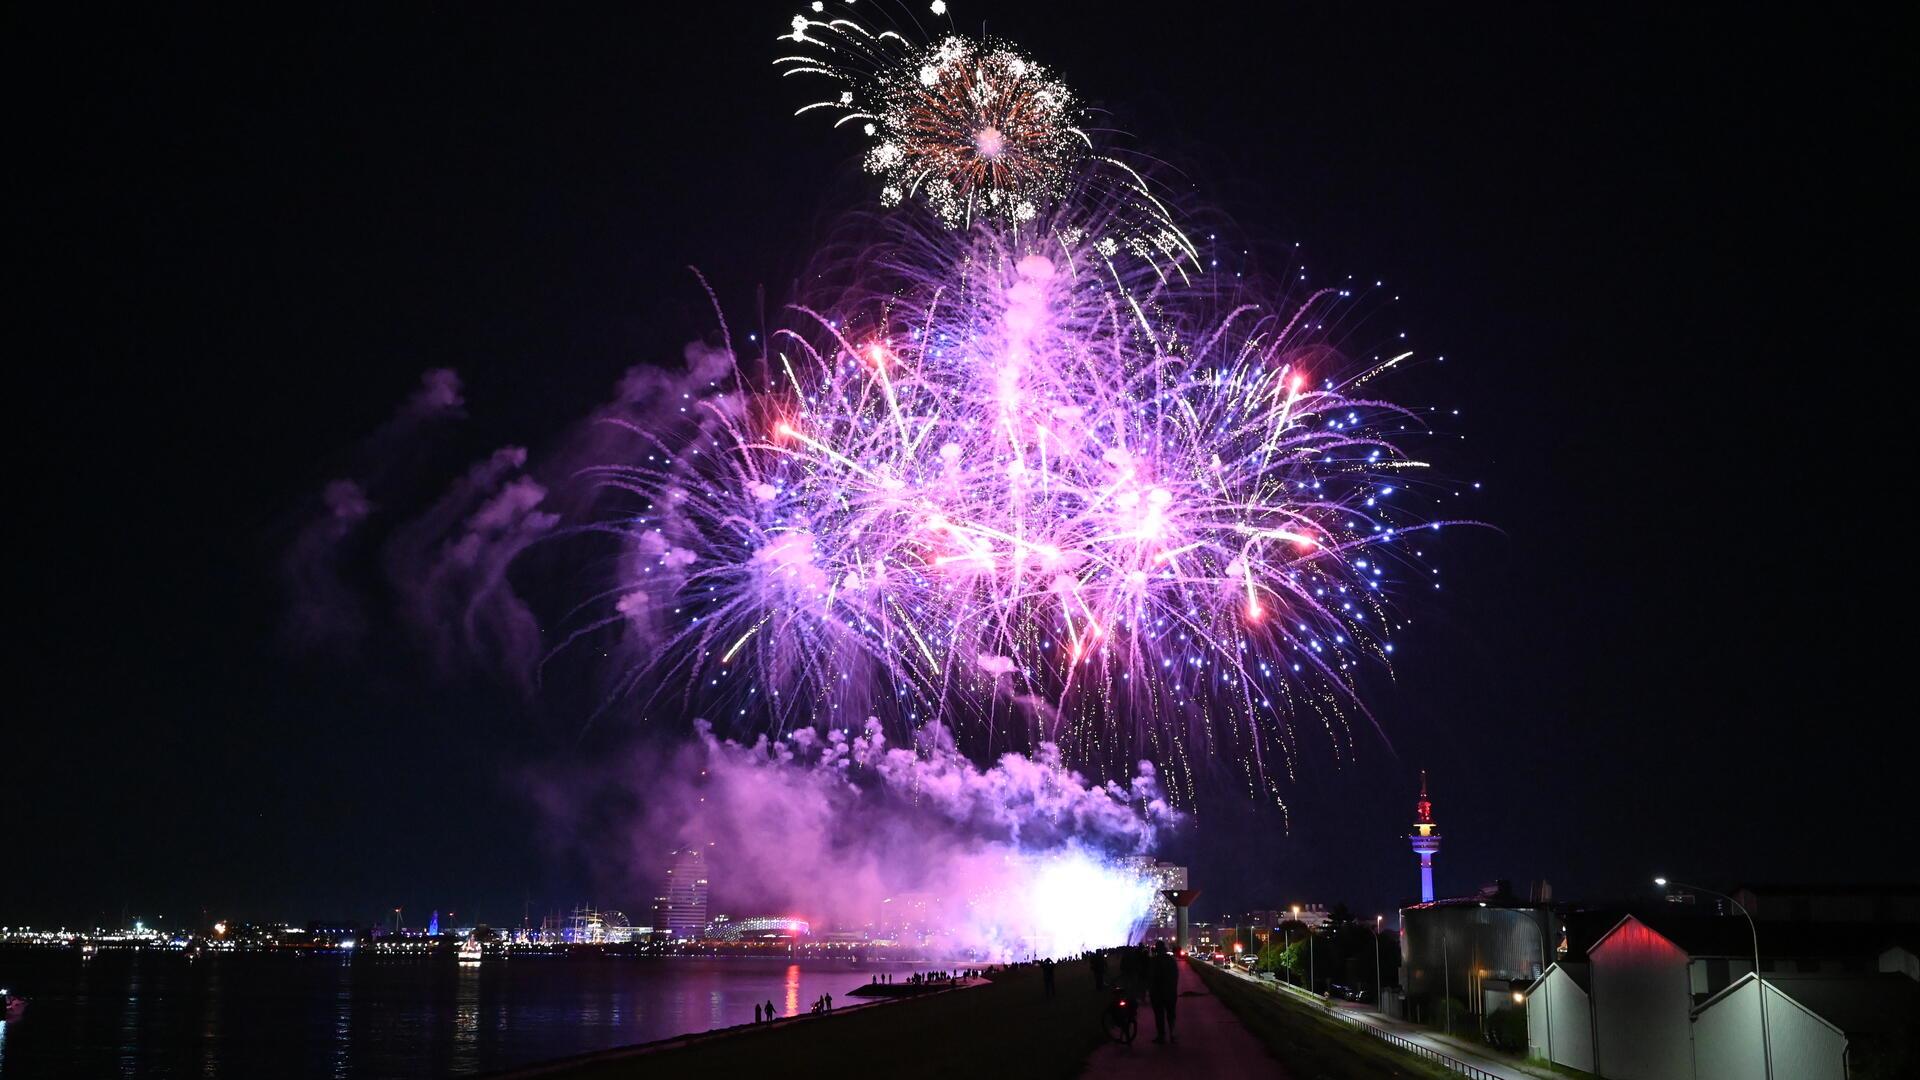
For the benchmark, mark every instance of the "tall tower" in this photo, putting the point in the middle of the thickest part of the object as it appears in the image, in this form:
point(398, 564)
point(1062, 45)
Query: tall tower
point(685, 915)
point(1426, 839)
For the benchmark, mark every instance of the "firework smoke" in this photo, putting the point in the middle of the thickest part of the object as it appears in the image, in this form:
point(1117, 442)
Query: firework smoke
point(1019, 858)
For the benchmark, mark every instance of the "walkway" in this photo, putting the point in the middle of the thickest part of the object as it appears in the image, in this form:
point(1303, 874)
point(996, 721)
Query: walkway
point(1212, 1043)
point(1457, 1049)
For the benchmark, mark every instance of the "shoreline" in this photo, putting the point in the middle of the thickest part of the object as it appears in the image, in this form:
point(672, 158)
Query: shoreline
point(614, 1055)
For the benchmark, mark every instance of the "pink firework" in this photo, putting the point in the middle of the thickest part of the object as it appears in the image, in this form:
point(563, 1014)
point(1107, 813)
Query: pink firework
point(1002, 482)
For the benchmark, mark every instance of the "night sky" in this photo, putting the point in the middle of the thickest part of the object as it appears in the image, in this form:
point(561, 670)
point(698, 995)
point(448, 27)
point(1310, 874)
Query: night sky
point(1650, 247)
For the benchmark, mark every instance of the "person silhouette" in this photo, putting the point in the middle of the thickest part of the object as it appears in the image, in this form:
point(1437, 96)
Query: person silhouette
point(769, 1008)
point(1163, 990)
point(756, 1012)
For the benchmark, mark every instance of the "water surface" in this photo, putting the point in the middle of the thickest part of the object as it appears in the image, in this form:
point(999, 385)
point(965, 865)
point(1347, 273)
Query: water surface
point(162, 1015)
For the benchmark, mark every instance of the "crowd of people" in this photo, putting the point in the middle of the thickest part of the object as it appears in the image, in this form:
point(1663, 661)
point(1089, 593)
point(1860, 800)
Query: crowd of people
point(1153, 973)
point(930, 978)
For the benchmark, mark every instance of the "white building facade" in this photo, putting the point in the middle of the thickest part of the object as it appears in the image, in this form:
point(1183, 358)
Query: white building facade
point(1642, 1005)
point(1727, 1043)
point(1560, 1018)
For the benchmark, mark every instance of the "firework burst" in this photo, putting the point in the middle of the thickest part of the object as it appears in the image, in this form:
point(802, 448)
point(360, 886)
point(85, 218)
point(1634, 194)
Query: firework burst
point(1009, 485)
point(975, 130)
point(1013, 477)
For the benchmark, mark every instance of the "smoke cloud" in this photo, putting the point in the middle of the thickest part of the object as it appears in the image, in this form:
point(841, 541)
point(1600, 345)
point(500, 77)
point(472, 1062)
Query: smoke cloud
point(1023, 857)
point(441, 565)
point(325, 610)
point(449, 568)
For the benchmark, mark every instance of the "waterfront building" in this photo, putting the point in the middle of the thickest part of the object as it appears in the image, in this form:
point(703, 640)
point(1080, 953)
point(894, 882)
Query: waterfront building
point(1162, 917)
point(757, 928)
point(684, 913)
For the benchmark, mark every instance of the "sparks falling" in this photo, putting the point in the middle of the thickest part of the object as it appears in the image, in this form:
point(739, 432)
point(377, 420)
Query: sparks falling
point(1006, 478)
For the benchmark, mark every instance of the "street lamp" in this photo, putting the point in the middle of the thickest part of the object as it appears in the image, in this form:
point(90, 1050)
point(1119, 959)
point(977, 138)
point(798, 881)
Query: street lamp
point(1309, 943)
point(1760, 984)
point(1376, 961)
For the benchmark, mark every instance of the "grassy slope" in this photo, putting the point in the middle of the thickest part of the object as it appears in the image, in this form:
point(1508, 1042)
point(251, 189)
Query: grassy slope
point(1311, 1046)
point(1006, 1031)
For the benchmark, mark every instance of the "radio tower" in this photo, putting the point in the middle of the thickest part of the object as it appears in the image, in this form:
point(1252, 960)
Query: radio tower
point(1426, 840)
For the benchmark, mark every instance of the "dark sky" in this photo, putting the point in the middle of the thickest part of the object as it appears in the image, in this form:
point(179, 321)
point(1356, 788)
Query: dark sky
point(1651, 246)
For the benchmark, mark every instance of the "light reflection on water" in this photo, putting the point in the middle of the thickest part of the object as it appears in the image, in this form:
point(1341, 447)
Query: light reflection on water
point(342, 1023)
point(161, 1015)
point(466, 1021)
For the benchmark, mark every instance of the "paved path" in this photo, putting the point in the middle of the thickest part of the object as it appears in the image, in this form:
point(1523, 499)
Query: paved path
point(1453, 1048)
point(1212, 1043)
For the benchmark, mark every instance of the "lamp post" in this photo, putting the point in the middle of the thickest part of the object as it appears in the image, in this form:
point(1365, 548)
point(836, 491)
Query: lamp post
point(1760, 984)
point(1309, 943)
point(1376, 961)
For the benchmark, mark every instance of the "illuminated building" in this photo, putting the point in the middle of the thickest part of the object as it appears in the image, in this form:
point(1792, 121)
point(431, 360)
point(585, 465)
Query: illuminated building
point(684, 914)
point(1311, 916)
point(1162, 919)
point(757, 928)
point(1426, 839)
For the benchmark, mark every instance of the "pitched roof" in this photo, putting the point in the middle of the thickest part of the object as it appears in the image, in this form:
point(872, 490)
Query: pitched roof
point(1701, 935)
point(1852, 1004)
point(1695, 935)
point(1580, 973)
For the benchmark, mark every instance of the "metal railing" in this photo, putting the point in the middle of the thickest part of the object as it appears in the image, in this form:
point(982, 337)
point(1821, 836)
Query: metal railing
point(1451, 1063)
point(1435, 1056)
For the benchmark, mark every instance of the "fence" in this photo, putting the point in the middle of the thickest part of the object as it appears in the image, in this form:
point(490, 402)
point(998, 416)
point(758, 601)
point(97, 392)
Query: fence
point(1435, 1056)
point(1305, 996)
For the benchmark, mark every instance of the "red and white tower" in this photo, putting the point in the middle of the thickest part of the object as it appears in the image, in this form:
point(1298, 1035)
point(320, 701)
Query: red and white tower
point(1426, 839)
